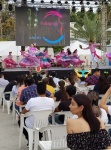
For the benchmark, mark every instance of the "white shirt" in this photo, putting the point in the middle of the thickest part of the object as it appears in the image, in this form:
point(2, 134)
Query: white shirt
point(14, 90)
point(38, 104)
point(104, 116)
point(56, 80)
point(3, 82)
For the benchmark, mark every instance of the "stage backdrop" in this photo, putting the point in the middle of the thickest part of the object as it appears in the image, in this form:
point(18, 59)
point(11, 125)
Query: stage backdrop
point(43, 26)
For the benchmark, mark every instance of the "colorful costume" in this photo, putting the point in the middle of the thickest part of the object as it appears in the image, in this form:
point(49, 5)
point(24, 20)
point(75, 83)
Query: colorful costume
point(44, 63)
point(9, 62)
point(63, 59)
point(29, 59)
point(108, 55)
point(94, 55)
point(75, 61)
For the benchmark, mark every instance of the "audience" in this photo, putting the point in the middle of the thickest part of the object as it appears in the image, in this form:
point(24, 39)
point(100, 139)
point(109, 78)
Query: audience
point(55, 79)
point(87, 131)
point(61, 95)
point(102, 85)
point(30, 92)
point(99, 112)
point(49, 87)
point(37, 104)
point(92, 80)
point(3, 82)
point(104, 100)
point(64, 105)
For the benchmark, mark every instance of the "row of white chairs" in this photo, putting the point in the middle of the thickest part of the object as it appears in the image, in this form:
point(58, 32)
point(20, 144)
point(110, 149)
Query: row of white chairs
point(40, 121)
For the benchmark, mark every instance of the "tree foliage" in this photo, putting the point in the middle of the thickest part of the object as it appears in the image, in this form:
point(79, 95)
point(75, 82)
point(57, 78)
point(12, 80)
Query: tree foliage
point(89, 29)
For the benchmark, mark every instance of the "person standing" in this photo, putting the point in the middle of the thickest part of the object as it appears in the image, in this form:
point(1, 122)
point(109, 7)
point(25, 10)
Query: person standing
point(94, 55)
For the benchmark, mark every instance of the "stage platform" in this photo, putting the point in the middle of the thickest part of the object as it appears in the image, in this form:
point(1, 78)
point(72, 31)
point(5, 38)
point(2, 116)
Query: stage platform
point(10, 74)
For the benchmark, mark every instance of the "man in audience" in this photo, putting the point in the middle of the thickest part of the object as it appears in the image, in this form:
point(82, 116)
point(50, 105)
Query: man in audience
point(3, 82)
point(30, 92)
point(56, 80)
point(39, 103)
point(92, 80)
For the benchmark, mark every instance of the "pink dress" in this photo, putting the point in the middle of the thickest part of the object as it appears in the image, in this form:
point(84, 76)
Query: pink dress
point(93, 50)
point(30, 58)
point(9, 62)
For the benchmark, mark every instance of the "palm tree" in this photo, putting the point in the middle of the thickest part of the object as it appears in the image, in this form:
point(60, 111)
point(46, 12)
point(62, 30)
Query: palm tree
point(91, 29)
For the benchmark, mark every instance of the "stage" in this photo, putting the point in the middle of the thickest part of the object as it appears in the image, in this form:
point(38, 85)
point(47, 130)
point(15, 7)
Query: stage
point(11, 74)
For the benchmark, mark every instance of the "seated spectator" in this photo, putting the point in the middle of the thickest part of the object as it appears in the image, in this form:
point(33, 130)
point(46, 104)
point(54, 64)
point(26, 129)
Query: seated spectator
point(9, 87)
point(51, 82)
point(99, 112)
point(61, 95)
point(64, 105)
point(49, 87)
point(55, 79)
point(39, 103)
point(3, 82)
point(102, 85)
point(87, 131)
point(30, 92)
point(23, 86)
point(92, 80)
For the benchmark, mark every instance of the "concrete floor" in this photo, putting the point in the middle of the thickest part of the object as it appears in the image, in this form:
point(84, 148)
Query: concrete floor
point(9, 133)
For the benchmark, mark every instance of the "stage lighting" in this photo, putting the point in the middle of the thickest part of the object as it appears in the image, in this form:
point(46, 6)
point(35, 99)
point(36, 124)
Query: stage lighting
point(0, 7)
point(73, 9)
point(81, 2)
point(66, 2)
point(59, 2)
point(91, 9)
point(51, 2)
point(99, 10)
point(73, 2)
point(24, 2)
point(82, 9)
point(96, 3)
point(42, 1)
point(88, 3)
point(32, 1)
point(10, 7)
point(105, 2)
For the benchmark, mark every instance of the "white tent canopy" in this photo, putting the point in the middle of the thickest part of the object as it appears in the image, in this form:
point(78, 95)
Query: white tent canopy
point(7, 46)
point(76, 44)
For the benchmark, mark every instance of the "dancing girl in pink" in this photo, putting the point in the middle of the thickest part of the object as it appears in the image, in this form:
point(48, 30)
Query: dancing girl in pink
point(94, 55)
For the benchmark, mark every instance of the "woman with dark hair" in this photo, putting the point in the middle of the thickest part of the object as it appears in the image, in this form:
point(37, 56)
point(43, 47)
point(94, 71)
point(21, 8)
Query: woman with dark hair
point(87, 131)
point(61, 95)
point(51, 82)
point(68, 51)
point(102, 85)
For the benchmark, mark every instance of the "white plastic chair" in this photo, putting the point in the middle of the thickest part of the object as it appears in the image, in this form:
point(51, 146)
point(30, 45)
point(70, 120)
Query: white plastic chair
point(40, 120)
point(8, 102)
point(58, 138)
point(90, 87)
point(1, 93)
point(67, 115)
point(56, 103)
point(82, 90)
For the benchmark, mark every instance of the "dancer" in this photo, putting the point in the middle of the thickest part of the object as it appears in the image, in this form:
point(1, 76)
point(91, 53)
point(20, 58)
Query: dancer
point(94, 55)
point(9, 62)
point(75, 61)
point(108, 55)
point(30, 58)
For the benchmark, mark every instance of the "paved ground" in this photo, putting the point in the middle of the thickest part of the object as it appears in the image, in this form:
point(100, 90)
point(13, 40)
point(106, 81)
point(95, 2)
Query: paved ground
point(9, 133)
